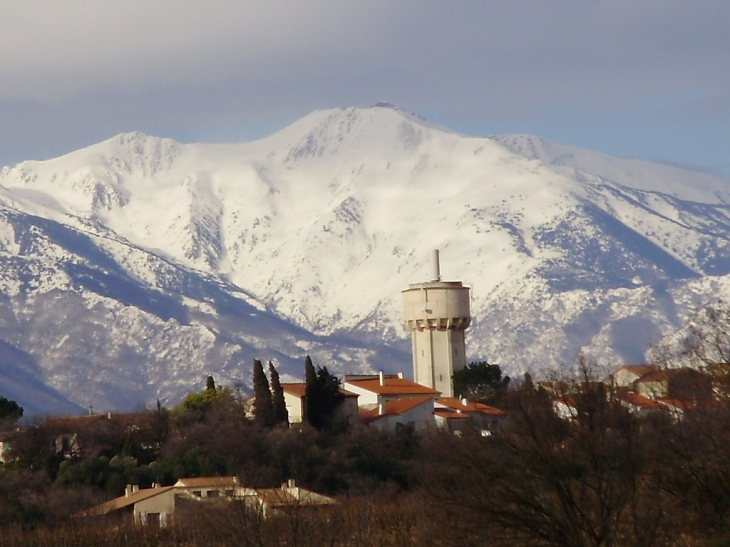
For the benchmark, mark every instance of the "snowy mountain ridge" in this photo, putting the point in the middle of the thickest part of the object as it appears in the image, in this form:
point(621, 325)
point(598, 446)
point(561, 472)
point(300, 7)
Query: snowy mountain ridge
point(319, 226)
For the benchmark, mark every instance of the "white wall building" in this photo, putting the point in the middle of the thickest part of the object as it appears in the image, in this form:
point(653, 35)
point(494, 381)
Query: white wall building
point(382, 388)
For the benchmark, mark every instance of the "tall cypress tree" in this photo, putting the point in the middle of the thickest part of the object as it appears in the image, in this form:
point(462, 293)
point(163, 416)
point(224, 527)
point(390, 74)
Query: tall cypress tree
point(281, 416)
point(263, 403)
point(311, 395)
point(322, 395)
point(330, 397)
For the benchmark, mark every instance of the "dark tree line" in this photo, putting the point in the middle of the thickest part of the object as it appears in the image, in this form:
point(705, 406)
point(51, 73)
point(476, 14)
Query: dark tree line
point(604, 477)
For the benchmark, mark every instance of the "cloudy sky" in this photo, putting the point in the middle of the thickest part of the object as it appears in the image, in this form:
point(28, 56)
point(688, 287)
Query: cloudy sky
point(632, 78)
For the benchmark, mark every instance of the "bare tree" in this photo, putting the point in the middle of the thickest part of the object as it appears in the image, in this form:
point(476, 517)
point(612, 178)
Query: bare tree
point(581, 482)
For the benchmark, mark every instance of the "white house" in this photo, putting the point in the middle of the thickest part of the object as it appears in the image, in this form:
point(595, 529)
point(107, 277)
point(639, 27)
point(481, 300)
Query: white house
point(414, 413)
point(454, 414)
point(157, 506)
point(639, 404)
point(628, 374)
point(381, 388)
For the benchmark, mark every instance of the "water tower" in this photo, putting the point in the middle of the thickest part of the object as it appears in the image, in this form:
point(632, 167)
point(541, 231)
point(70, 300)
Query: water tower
point(437, 313)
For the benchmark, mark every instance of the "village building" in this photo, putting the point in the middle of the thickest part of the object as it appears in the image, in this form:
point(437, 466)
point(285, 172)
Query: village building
point(82, 436)
point(375, 389)
point(389, 401)
point(639, 404)
point(627, 375)
point(5, 444)
point(682, 384)
point(719, 374)
point(157, 506)
point(413, 413)
point(455, 415)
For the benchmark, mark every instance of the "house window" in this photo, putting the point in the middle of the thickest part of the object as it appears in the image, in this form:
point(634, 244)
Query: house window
point(213, 493)
point(196, 493)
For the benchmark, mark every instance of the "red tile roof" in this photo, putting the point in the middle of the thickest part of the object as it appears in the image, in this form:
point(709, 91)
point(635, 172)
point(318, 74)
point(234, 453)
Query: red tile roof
point(123, 501)
point(678, 404)
point(392, 386)
point(294, 389)
point(208, 482)
point(639, 400)
point(393, 408)
point(458, 405)
point(451, 414)
point(298, 389)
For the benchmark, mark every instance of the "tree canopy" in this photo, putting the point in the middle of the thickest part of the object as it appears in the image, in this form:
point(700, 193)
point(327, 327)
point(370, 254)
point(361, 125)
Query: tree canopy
point(480, 381)
point(322, 395)
point(198, 406)
point(10, 410)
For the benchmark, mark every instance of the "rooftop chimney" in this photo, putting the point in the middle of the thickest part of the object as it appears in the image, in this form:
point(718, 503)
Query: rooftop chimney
point(435, 267)
point(381, 377)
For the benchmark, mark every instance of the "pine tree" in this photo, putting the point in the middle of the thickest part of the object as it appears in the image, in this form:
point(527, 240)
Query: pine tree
point(281, 416)
point(10, 409)
point(210, 384)
point(263, 404)
point(480, 381)
point(10, 412)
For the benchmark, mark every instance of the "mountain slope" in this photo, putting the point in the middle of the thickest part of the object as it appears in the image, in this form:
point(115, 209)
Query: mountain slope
point(323, 223)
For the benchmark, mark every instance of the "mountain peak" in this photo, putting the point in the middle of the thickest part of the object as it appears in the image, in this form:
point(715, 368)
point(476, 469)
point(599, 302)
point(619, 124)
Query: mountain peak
point(324, 223)
point(408, 113)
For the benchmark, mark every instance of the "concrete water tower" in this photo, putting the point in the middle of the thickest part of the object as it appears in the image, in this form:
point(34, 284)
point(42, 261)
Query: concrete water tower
point(437, 313)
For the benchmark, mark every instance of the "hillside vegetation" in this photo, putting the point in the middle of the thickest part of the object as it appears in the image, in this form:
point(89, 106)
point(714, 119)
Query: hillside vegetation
point(606, 477)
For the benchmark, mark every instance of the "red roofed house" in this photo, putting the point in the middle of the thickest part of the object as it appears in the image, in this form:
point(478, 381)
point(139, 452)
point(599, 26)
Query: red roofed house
point(628, 374)
point(638, 404)
point(387, 400)
point(683, 384)
point(157, 506)
point(455, 414)
point(414, 413)
point(380, 388)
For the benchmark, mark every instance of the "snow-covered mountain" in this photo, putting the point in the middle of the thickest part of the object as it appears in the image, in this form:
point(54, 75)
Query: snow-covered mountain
point(137, 266)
